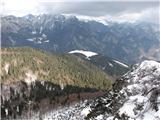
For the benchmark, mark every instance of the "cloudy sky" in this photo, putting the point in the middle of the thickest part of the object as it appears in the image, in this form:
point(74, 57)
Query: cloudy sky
point(121, 10)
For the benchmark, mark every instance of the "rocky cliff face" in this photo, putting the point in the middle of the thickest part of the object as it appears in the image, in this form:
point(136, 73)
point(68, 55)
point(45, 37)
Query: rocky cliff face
point(135, 96)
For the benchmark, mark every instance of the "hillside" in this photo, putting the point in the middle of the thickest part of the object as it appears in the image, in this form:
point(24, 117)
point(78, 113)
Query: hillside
point(112, 67)
point(37, 81)
point(30, 65)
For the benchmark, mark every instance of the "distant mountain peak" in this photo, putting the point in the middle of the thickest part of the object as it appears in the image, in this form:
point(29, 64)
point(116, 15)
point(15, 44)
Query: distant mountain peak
point(126, 42)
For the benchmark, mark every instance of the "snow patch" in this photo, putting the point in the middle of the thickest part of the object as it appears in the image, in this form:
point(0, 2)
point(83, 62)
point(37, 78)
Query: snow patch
point(110, 64)
point(6, 111)
point(44, 35)
point(86, 53)
point(41, 28)
point(30, 77)
point(100, 117)
point(39, 42)
point(128, 109)
point(6, 67)
point(62, 86)
point(86, 111)
point(34, 32)
point(110, 118)
point(103, 68)
point(47, 41)
point(121, 63)
point(30, 39)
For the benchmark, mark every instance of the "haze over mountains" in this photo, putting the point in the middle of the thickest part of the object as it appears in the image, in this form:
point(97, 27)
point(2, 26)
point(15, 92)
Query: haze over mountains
point(126, 42)
point(77, 67)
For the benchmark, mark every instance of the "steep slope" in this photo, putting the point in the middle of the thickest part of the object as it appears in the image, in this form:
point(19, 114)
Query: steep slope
point(112, 67)
point(37, 81)
point(126, 42)
point(134, 97)
point(28, 63)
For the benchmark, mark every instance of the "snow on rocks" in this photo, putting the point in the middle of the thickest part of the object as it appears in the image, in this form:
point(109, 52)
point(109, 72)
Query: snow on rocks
point(128, 109)
point(135, 96)
point(100, 117)
point(141, 81)
point(86, 111)
point(71, 112)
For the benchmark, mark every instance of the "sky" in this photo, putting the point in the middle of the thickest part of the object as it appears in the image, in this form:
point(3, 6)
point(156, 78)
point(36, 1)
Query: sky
point(120, 10)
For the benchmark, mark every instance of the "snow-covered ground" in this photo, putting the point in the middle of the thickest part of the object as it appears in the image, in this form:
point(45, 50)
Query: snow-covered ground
point(86, 53)
point(144, 78)
point(76, 111)
point(120, 63)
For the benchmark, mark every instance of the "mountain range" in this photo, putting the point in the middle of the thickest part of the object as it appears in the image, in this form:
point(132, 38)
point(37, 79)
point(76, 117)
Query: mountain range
point(126, 42)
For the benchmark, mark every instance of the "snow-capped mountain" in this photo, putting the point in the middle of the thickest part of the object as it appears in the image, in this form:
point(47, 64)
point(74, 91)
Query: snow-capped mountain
point(135, 96)
point(127, 42)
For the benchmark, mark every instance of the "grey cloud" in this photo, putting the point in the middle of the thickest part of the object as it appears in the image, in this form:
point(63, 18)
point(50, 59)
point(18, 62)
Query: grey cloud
point(97, 8)
point(113, 9)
